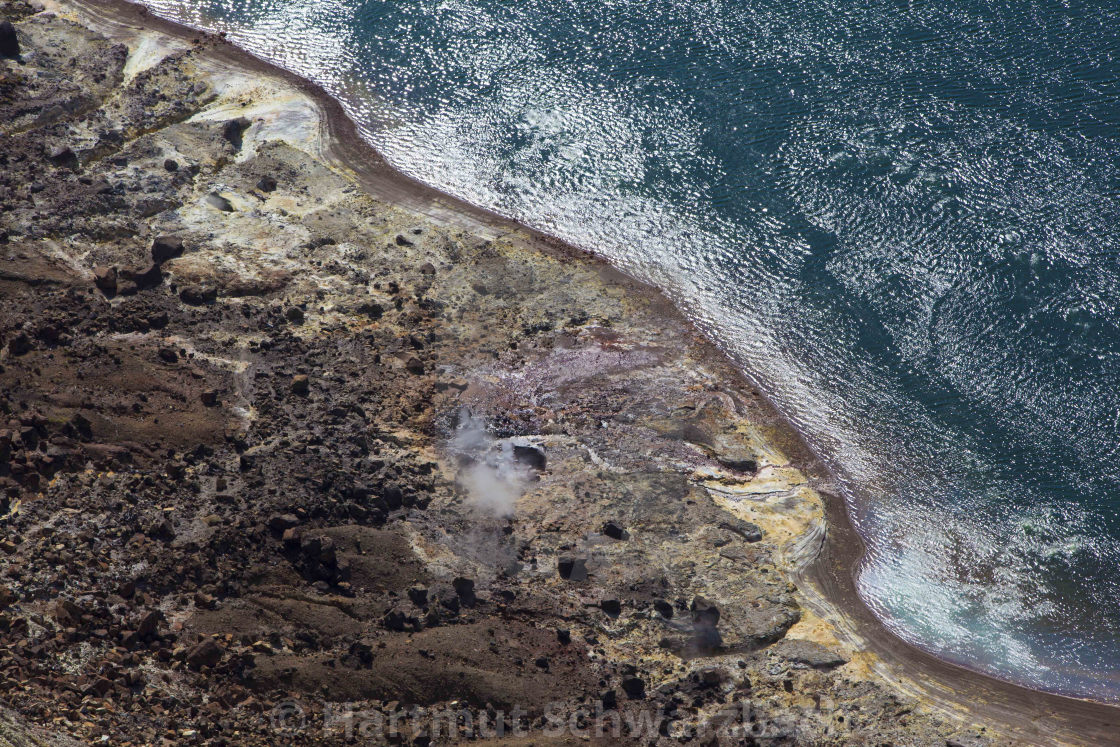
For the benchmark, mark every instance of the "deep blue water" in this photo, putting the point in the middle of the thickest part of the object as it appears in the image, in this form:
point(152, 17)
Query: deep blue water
point(901, 217)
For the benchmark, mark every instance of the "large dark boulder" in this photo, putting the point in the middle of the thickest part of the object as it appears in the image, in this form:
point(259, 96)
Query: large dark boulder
point(233, 129)
point(165, 248)
point(9, 42)
point(206, 654)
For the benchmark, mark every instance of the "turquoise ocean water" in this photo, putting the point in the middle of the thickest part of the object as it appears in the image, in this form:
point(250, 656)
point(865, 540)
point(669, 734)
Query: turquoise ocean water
point(901, 217)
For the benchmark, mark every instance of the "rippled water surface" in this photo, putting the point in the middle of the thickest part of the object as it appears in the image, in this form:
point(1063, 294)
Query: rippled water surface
point(901, 217)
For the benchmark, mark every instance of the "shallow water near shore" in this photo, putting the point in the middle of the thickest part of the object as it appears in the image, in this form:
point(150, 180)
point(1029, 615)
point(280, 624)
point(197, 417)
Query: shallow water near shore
point(898, 217)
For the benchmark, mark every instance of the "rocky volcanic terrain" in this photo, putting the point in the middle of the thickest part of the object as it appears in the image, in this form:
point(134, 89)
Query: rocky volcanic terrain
point(273, 450)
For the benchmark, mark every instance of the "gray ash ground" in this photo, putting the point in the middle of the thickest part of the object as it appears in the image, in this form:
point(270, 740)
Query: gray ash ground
point(228, 386)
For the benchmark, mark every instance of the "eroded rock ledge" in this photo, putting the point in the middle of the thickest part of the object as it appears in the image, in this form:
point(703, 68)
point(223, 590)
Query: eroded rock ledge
point(266, 438)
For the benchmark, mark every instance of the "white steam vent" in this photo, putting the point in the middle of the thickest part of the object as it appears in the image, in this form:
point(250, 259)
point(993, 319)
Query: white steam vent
point(496, 472)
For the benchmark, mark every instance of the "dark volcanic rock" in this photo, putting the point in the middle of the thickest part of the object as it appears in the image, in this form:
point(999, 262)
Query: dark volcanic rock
point(745, 529)
point(218, 202)
point(194, 295)
point(531, 457)
point(634, 688)
point(205, 654)
point(739, 464)
point(704, 612)
point(105, 278)
point(267, 184)
point(9, 41)
point(67, 614)
point(233, 129)
point(418, 595)
point(300, 384)
point(808, 654)
point(372, 310)
point(165, 248)
point(64, 157)
point(20, 344)
point(572, 569)
point(464, 589)
point(280, 523)
point(148, 624)
point(614, 531)
point(144, 277)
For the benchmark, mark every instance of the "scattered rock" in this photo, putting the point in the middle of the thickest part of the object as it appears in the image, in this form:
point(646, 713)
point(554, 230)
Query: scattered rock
point(740, 464)
point(209, 397)
point(67, 614)
point(280, 523)
point(749, 531)
point(168, 355)
point(358, 656)
point(418, 595)
point(205, 654)
point(808, 654)
point(403, 240)
point(9, 41)
point(294, 314)
point(165, 248)
point(712, 676)
point(149, 623)
point(195, 295)
point(300, 385)
point(464, 589)
point(663, 608)
point(704, 612)
point(144, 277)
point(267, 184)
point(171, 165)
point(64, 157)
point(572, 569)
point(634, 688)
point(20, 344)
point(530, 456)
point(99, 687)
point(612, 607)
point(967, 740)
point(218, 202)
point(233, 129)
point(372, 310)
point(105, 278)
point(614, 531)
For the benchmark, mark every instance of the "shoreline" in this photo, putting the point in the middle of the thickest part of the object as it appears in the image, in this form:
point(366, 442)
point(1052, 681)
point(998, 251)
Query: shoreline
point(1012, 710)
